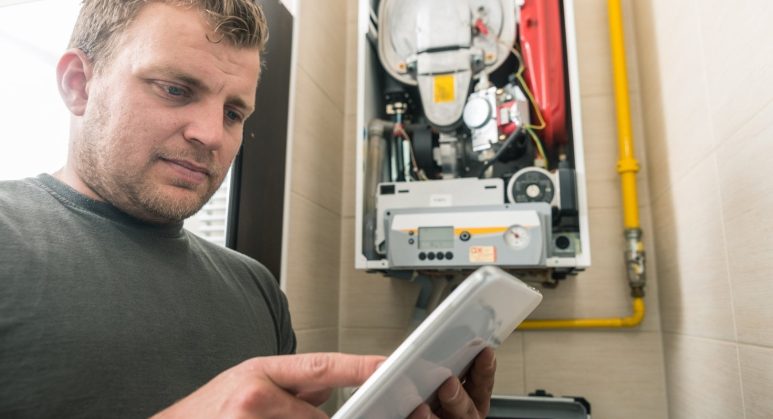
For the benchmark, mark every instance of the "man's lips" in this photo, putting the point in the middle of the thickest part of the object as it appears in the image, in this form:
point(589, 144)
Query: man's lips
point(188, 171)
point(189, 165)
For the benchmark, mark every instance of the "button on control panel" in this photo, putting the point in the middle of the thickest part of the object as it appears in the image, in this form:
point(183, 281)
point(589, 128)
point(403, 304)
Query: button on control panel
point(436, 256)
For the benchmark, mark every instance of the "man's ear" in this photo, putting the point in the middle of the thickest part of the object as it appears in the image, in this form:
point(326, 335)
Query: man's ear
point(73, 74)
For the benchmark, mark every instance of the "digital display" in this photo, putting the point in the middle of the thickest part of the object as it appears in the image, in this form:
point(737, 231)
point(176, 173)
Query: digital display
point(436, 238)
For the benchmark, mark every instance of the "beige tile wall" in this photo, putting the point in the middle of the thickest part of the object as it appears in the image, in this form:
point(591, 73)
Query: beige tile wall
point(620, 373)
point(312, 279)
point(703, 377)
point(705, 70)
point(747, 203)
point(757, 371)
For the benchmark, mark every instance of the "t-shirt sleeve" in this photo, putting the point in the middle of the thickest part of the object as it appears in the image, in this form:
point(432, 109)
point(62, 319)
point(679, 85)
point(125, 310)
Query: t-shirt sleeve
point(287, 342)
point(255, 276)
point(279, 307)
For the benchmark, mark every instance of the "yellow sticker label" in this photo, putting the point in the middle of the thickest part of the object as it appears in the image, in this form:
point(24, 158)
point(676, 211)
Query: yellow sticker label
point(483, 254)
point(445, 88)
point(479, 230)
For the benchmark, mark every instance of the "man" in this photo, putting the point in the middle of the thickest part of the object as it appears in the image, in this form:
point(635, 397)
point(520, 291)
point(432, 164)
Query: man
point(108, 307)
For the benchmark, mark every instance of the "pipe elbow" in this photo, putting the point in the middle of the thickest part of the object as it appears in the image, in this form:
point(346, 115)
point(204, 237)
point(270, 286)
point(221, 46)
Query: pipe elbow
point(636, 318)
point(378, 127)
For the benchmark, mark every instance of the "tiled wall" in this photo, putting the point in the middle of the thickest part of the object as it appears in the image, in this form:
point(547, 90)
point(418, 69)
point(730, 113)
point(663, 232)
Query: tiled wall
point(316, 159)
point(706, 68)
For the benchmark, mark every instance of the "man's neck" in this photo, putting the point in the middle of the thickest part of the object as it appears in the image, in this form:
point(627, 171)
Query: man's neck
point(69, 177)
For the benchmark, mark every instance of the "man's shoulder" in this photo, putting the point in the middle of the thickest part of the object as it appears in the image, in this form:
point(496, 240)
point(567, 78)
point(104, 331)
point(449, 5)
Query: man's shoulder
point(232, 259)
point(21, 198)
point(12, 190)
point(234, 266)
point(26, 226)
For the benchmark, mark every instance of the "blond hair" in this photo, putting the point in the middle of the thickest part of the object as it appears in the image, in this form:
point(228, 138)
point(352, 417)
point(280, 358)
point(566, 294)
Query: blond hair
point(101, 22)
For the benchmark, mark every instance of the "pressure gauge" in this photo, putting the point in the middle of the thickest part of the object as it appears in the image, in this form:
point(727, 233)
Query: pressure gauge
point(517, 237)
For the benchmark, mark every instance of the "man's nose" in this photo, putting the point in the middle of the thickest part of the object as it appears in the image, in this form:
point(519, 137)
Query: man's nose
point(205, 126)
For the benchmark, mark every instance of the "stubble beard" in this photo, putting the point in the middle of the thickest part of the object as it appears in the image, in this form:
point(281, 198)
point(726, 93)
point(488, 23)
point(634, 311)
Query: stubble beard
point(131, 190)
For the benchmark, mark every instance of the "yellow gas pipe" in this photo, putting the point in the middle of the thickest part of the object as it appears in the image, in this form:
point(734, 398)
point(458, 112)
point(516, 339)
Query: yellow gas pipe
point(627, 166)
point(613, 322)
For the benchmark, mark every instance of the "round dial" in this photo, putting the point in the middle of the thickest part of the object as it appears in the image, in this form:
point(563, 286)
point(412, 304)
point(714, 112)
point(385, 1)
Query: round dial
point(531, 184)
point(517, 237)
point(477, 112)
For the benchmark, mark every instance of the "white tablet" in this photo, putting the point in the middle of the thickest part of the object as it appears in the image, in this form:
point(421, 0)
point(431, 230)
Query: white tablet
point(483, 311)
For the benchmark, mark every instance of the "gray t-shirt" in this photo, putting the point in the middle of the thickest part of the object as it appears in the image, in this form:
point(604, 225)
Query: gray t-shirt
point(102, 315)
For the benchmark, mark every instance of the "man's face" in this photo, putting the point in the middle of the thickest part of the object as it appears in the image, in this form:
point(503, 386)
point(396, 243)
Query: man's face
point(164, 115)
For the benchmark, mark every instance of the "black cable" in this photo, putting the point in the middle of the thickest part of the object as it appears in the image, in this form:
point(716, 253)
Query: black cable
point(520, 132)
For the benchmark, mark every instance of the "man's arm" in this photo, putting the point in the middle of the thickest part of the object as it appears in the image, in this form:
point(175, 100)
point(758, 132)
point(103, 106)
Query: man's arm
point(290, 386)
point(286, 386)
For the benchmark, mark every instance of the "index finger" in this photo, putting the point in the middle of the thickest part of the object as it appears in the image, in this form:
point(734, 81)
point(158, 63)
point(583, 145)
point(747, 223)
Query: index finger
point(318, 371)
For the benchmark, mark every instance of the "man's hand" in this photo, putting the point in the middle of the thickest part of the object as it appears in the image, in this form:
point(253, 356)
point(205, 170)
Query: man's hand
point(468, 400)
point(288, 386)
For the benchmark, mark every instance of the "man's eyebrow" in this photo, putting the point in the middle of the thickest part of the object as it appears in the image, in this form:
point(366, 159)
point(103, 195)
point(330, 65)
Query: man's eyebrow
point(239, 103)
point(200, 85)
point(185, 78)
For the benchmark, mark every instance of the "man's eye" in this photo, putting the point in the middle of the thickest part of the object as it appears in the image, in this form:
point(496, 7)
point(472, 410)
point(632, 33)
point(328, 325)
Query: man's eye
point(171, 91)
point(233, 116)
point(175, 91)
